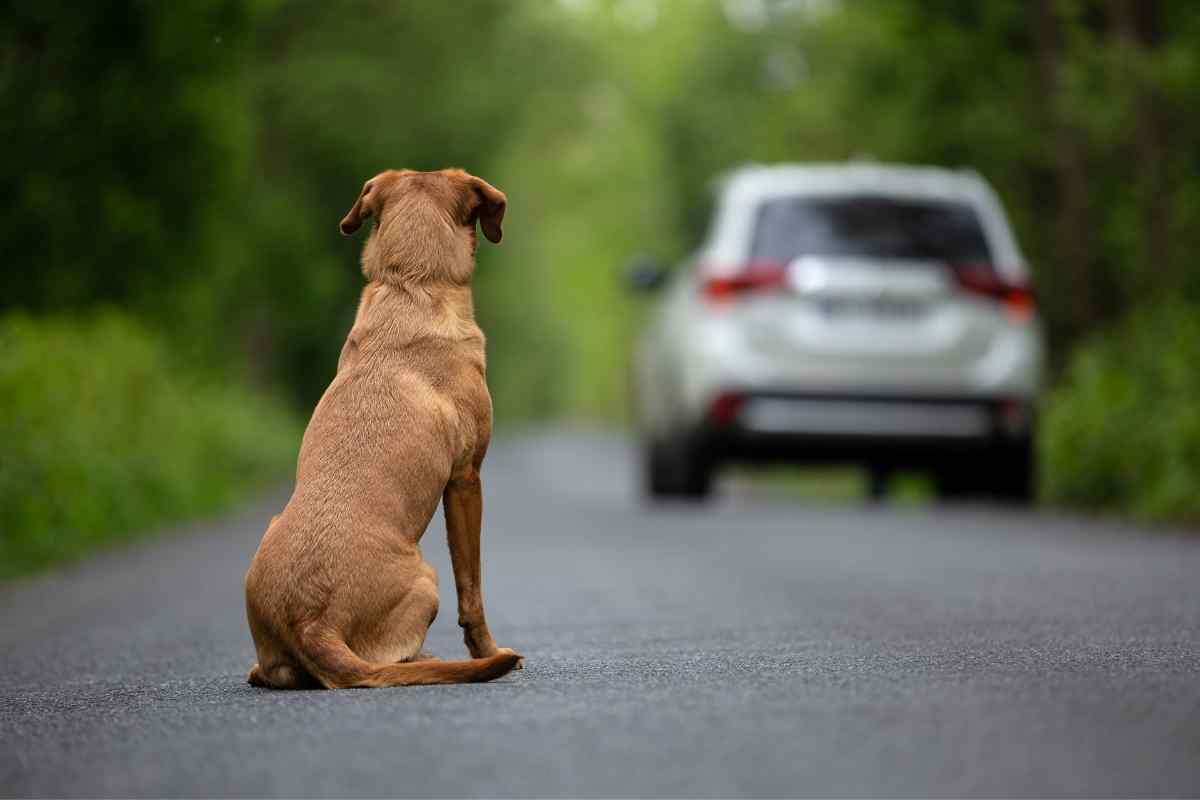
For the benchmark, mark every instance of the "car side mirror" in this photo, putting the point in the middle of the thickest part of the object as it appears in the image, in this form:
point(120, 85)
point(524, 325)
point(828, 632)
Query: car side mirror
point(645, 274)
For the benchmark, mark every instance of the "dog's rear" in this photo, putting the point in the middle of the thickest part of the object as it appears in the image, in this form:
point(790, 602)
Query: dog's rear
point(338, 594)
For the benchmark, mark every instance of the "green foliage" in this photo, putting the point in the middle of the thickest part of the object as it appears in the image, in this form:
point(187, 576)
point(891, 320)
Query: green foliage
point(505, 90)
point(1122, 430)
point(104, 436)
point(122, 142)
point(188, 162)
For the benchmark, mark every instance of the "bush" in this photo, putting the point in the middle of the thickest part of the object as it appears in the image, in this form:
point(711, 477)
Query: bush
point(105, 436)
point(1122, 431)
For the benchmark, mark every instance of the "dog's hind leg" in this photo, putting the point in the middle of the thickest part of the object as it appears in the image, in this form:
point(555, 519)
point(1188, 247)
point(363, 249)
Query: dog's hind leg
point(255, 678)
point(400, 634)
point(281, 676)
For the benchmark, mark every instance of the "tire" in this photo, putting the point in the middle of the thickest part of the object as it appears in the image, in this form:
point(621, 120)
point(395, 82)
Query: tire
point(676, 468)
point(1006, 474)
point(1015, 477)
point(954, 482)
point(877, 483)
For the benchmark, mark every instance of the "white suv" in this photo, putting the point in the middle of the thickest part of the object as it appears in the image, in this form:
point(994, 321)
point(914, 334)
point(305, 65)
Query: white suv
point(864, 313)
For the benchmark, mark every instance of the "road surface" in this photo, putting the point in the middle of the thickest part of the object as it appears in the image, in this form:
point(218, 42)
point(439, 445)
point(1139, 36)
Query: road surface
point(758, 646)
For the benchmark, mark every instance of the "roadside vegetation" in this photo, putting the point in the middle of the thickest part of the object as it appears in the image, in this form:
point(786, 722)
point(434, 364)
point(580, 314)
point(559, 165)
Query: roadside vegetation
point(1122, 428)
point(105, 437)
point(186, 164)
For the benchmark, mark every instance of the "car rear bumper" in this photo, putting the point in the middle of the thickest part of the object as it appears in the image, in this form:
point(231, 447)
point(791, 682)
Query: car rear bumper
point(856, 428)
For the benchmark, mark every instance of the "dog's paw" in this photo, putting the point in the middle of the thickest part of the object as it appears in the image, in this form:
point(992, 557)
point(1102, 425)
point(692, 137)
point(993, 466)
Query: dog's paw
point(510, 651)
point(255, 678)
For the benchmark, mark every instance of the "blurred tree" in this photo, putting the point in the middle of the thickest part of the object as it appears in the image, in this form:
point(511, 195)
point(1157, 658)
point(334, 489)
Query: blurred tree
point(123, 138)
point(188, 162)
point(191, 162)
point(343, 92)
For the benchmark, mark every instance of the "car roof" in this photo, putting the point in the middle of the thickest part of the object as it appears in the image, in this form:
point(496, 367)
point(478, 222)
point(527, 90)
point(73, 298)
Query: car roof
point(852, 178)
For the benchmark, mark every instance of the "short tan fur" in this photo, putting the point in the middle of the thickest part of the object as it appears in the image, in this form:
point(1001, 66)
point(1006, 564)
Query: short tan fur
point(338, 594)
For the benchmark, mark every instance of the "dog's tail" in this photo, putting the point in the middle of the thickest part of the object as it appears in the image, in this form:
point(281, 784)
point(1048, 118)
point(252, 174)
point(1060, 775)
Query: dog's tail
point(331, 661)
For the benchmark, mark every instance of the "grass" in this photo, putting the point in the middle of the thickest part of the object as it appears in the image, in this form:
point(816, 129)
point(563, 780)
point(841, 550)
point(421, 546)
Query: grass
point(106, 436)
point(1121, 430)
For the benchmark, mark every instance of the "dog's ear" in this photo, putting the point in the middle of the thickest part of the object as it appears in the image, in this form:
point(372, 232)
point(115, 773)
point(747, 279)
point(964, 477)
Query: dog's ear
point(364, 207)
point(490, 209)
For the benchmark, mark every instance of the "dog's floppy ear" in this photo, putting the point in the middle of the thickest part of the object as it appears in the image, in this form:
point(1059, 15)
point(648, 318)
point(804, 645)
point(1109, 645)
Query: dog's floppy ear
point(491, 208)
point(364, 207)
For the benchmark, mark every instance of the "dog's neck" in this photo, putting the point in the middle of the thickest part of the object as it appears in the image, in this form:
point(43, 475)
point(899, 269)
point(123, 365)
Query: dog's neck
point(421, 250)
point(398, 312)
point(391, 319)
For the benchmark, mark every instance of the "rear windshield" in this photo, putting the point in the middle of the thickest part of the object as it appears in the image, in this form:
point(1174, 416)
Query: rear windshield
point(865, 226)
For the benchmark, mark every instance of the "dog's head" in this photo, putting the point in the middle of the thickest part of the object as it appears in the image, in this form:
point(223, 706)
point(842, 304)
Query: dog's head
point(425, 222)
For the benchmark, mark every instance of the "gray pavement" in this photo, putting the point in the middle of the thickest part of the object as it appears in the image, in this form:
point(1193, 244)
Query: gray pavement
point(756, 646)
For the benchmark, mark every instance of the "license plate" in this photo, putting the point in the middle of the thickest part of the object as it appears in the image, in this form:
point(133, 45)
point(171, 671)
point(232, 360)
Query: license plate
point(865, 418)
point(880, 306)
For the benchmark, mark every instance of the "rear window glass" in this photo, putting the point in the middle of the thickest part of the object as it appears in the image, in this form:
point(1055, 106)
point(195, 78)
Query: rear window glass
point(865, 226)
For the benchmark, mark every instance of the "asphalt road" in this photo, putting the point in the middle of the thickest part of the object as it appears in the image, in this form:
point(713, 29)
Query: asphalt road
point(758, 646)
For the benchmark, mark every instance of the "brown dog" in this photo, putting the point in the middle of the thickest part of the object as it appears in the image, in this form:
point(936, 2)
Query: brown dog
point(338, 594)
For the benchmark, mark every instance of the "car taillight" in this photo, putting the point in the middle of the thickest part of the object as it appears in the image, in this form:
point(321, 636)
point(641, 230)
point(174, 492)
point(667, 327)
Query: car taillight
point(725, 408)
point(1017, 299)
point(722, 285)
point(1013, 415)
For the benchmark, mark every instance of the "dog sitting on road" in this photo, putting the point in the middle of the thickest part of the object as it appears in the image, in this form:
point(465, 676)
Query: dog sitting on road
point(338, 594)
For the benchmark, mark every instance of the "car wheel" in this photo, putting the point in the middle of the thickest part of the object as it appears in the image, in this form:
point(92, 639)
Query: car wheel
point(877, 483)
point(1015, 475)
point(953, 482)
point(1004, 474)
point(676, 467)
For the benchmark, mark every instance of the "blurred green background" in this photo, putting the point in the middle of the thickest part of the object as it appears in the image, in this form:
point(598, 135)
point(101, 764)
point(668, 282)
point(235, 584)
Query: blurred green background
point(175, 291)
